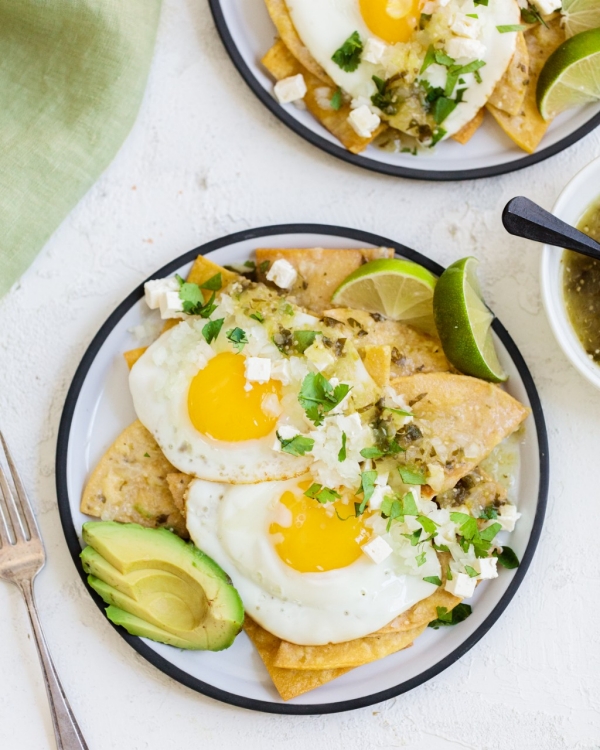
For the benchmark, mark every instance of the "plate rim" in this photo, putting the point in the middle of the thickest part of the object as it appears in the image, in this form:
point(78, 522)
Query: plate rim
point(166, 666)
point(373, 165)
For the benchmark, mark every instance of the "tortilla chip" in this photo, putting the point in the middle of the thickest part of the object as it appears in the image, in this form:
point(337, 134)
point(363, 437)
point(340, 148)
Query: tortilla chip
point(132, 356)
point(345, 655)
point(468, 418)
point(510, 90)
point(290, 683)
point(377, 361)
point(178, 484)
point(465, 134)
point(475, 490)
point(527, 128)
point(280, 16)
point(280, 62)
point(321, 271)
point(411, 351)
point(129, 484)
point(203, 270)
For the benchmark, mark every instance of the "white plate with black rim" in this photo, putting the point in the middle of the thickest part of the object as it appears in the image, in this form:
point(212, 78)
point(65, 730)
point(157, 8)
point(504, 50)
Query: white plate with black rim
point(248, 32)
point(98, 407)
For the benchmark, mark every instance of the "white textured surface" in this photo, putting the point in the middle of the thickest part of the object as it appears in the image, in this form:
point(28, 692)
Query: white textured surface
point(205, 159)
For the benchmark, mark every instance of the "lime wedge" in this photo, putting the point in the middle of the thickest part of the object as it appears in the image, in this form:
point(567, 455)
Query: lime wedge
point(580, 15)
point(463, 322)
point(397, 289)
point(571, 75)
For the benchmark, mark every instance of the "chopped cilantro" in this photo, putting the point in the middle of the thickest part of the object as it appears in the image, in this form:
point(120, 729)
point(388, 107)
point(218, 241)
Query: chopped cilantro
point(489, 513)
point(367, 487)
point(438, 134)
point(421, 558)
point(532, 15)
point(469, 531)
point(414, 538)
point(372, 452)
point(467, 524)
point(296, 446)
point(471, 572)
point(442, 108)
point(213, 284)
point(511, 27)
point(472, 15)
point(401, 412)
point(435, 56)
point(436, 580)
point(385, 98)
point(322, 494)
point(342, 453)
point(391, 508)
point(409, 505)
point(146, 455)
point(425, 18)
point(264, 266)
point(480, 2)
point(440, 547)
point(347, 57)
point(212, 329)
point(257, 316)
point(508, 559)
point(428, 525)
point(411, 475)
point(336, 100)
point(318, 397)
point(429, 59)
point(193, 300)
point(250, 264)
point(477, 76)
point(456, 615)
point(286, 309)
point(303, 339)
point(449, 575)
point(238, 338)
point(490, 532)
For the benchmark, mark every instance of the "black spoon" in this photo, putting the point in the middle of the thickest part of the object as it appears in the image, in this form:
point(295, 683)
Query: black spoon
point(524, 218)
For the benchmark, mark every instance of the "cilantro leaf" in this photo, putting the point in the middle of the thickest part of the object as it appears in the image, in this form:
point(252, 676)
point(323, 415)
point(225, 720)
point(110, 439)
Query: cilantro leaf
point(303, 339)
point(480, 2)
point(347, 57)
point(440, 547)
point(414, 538)
point(491, 531)
point(146, 455)
point(471, 572)
point(336, 100)
point(449, 575)
point(391, 508)
point(508, 559)
point(438, 134)
point(342, 453)
point(532, 15)
point(212, 329)
point(385, 98)
point(213, 284)
point(411, 475)
point(367, 488)
point(296, 446)
point(467, 524)
point(264, 266)
point(436, 580)
point(511, 27)
point(238, 338)
point(442, 108)
point(456, 615)
point(322, 494)
point(409, 506)
point(429, 59)
point(489, 513)
point(428, 525)
point(318, 397)
point(401, 412)
point(371, 452)
point(257, 316)
point(421, 558)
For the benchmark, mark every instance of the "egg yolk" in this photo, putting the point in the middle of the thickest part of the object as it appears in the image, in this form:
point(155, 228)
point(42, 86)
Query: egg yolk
point(391, 20)
point(318, 540)
point(219, 406)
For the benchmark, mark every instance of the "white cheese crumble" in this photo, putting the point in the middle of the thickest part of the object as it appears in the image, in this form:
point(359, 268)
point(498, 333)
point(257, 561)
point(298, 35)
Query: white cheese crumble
point(463, 49)
point(258, 369)
point(465, 26)
point(171, 306)
point(363, 121)
point(280, 370)
point(373, 50)
point(546, 7)
point(487, 567)
point(155, 290)
point(507, 517)
point(377, 549)
point(327, 469)
point(290, 89)
point(282, 273)
point(319, 355)
point(461, 585)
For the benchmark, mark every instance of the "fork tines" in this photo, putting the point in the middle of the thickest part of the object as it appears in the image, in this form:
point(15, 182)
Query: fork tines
point(17, 522)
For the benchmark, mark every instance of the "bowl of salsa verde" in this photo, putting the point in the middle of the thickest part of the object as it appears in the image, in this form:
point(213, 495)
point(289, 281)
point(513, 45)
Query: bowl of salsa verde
point(571, 281)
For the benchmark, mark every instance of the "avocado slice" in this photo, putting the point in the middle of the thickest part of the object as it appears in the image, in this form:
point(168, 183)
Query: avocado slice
point(180, 594)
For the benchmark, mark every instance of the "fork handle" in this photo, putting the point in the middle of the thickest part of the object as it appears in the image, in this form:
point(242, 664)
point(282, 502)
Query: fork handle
point(67, 732)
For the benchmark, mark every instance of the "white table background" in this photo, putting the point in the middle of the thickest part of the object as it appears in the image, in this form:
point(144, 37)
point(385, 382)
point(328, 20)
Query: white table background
point(205, 159)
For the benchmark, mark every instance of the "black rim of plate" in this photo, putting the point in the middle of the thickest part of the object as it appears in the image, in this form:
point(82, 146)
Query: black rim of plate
point(364, 161)
point(158, 661)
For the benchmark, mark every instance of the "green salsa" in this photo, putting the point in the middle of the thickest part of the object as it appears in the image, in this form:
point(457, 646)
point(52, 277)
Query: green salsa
point(581, 287)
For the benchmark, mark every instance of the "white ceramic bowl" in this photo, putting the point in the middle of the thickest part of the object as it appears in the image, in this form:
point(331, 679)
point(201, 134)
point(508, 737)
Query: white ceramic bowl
point(572, 203)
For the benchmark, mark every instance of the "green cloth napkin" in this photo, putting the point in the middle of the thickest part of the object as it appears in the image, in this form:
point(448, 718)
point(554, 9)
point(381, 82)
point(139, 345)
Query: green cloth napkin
point(72, 76)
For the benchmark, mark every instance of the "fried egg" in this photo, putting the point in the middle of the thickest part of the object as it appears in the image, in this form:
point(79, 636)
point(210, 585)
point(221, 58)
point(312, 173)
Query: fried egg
point(299, 565)
point(395, 38)
point(208, 419)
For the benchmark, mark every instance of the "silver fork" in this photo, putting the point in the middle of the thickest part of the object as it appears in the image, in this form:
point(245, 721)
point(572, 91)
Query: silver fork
point(22, 556)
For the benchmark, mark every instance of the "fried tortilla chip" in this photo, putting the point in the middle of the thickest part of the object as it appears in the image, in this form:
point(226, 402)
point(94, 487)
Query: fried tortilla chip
point(280, 62)
point(130, 485)
point(476, 490)
point(411, 351)
point(509, 94)
point(345, 655)
point(280, 16)
point(290, 683)
point(461, 418)
point(204, 269)
point(132, 356)
point(321, 271)
point(527, 128)
point(377, 360)
point(178, 484)
point(465, 134)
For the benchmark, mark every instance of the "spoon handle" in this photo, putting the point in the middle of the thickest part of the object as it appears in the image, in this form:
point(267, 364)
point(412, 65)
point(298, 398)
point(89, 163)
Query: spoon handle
point(524, 218)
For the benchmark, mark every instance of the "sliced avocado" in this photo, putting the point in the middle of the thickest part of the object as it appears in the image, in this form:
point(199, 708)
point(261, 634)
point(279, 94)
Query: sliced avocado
point(135, 626)
point(182, 595)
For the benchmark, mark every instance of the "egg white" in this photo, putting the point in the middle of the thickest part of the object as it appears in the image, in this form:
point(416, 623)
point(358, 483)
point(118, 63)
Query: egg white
point(231, 524)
